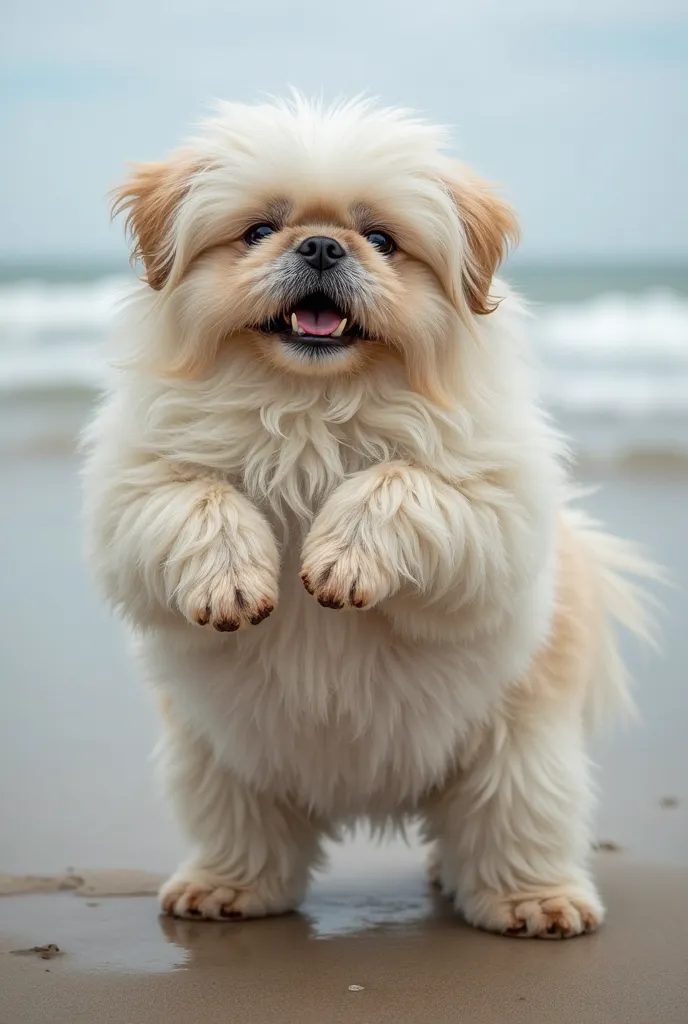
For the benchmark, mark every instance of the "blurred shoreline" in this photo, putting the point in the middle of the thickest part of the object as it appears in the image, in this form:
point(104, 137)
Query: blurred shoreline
point(540, 279)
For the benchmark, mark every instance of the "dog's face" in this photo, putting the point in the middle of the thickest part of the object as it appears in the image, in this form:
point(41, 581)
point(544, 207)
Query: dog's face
point(323, 239)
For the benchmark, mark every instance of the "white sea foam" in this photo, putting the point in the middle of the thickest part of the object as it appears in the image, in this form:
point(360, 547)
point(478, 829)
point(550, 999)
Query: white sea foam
point(616, 356)
point(620, 327)
point(50, 333)
point(32, 311)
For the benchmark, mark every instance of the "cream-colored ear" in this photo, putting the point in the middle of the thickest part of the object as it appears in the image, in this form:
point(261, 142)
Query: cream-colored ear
point(150, 198)
point(490, 229)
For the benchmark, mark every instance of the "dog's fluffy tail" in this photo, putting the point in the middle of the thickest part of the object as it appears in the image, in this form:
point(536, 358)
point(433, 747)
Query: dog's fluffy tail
point(618, 572)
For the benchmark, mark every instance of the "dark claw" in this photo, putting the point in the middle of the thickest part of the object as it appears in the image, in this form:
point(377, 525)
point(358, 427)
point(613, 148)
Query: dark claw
point(227, 626)
point(230, 914)
point(304, 580)
point(517, 931)
point(330, 602)
point(204, 619)
point(255, 619)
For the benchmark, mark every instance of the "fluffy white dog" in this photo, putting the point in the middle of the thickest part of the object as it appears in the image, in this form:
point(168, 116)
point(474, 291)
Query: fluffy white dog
point(325, 413)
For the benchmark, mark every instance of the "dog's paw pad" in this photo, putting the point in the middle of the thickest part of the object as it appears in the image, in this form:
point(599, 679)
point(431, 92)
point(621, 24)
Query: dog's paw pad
point(545, 916)
point(227, 607)
point(198, 901)
point(195, 895)
point(352, 580)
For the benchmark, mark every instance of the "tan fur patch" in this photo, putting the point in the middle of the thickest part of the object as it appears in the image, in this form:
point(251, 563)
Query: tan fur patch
point(150, 198)
point(564, 665)
point(491, 228)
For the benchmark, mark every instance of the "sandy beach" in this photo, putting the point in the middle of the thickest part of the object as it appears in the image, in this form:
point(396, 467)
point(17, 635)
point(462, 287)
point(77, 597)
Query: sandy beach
point(400, 957)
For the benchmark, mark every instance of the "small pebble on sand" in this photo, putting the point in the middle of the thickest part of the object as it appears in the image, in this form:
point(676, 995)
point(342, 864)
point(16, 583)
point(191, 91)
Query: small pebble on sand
point(356, 988)
point(607, 846)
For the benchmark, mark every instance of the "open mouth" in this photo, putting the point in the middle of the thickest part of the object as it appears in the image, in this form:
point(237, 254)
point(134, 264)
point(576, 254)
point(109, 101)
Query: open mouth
point(315, 323)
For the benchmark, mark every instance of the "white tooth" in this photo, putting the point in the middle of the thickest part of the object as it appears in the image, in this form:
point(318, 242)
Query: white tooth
point(340, 330)
point(295, 325)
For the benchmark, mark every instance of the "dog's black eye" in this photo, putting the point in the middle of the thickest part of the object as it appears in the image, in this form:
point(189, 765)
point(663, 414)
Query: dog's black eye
point(257, 233)
point(382, 242)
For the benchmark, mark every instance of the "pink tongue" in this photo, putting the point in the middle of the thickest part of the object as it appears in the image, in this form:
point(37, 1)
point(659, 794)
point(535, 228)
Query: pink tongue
point(321, 324)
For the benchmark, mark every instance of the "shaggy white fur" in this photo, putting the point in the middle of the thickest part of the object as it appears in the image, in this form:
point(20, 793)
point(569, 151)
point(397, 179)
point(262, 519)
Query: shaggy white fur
point(440, 622)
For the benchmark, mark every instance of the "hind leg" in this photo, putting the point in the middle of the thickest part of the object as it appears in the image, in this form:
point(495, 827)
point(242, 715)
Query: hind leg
point(253, 856)
point(512, 832)
point(511, 836)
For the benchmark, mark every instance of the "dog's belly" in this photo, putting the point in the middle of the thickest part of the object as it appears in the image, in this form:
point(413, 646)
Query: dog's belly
point(330, 709)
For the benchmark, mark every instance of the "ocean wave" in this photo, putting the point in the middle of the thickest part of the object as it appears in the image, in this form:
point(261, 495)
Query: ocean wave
point(624, 327)
point(623, 354)
point(52, 368)
point(33, 312)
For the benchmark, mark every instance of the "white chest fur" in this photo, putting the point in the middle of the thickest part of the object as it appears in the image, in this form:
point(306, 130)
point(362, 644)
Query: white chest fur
point(331, 708)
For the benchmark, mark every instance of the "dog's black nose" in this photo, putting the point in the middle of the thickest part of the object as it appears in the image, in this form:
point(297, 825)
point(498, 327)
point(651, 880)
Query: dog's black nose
point(320, 252)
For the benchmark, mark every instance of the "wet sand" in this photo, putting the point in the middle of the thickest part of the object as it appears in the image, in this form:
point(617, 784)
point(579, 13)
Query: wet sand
point(412, 962)
point(78, 803)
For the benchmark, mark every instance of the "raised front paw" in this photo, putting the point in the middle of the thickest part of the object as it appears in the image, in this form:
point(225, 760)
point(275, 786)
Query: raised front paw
point(236, 596)
point(341, 574)
point(228, 578)
point(363, 543)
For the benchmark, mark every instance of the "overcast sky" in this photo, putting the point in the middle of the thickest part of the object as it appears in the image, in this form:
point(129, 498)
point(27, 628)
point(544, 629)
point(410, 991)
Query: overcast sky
point(579, 108)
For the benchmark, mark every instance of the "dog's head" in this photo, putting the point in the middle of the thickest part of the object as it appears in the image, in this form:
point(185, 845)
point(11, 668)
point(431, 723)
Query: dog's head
point(323, 238)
